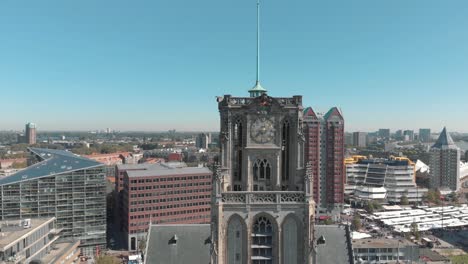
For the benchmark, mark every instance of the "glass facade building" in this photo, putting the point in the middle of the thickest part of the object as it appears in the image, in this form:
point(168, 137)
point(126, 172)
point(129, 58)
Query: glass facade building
point(62, 185)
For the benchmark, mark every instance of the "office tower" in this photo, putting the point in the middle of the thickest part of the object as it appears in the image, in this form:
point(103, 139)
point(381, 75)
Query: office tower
point(62, 185)
point(399, 135)
point(384, 133)
point(349, 139)
point(408, 135)
point(324, 151)
point(360, 139)
point(444, 163)
point(424, 135)
point(30, 133)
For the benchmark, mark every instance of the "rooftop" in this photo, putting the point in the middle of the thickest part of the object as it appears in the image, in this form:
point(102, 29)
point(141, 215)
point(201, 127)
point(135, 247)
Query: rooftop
point(381, 243)
point(173, 244)
point(13, 230)
point(52, 162)
point(59, 250)
point(164, 170)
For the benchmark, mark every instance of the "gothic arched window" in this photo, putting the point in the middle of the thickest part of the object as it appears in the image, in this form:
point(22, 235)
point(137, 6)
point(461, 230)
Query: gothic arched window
point(261, 175)
point(238, 142)
point(262, 241)
point(285, 151)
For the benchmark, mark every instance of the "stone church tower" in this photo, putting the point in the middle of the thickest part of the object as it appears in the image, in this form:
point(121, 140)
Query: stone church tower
point(262, 208)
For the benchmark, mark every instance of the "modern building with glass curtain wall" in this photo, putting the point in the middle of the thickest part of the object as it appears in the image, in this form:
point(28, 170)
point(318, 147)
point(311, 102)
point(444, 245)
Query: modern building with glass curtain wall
point(63, 185)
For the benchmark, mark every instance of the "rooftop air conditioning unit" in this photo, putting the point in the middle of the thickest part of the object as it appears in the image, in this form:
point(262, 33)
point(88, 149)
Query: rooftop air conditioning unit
point(27, 223)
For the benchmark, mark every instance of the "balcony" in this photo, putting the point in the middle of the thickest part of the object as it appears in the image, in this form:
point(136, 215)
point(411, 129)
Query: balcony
point(263, 197)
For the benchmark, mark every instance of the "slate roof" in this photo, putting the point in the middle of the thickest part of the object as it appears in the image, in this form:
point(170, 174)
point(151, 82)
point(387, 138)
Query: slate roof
point(192, 245)
point(444, 141)
point(53, 162)
point(335, 249)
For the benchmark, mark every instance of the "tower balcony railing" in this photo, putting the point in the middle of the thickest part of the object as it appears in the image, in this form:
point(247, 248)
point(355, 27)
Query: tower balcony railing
point(263, 197)
point(286, 101)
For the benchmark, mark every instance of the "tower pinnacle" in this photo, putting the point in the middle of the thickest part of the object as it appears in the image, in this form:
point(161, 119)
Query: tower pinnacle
point(258, 90)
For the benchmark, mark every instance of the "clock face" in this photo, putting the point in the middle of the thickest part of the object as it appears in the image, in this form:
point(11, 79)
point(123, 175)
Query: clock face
point(262, 130)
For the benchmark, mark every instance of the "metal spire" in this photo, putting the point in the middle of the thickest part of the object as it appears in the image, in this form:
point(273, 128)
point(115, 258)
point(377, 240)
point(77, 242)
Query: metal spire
point(257, 90)
point(258, 41)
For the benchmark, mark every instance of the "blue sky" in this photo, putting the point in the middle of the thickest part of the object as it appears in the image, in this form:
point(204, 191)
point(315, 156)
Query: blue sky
point(158, 64)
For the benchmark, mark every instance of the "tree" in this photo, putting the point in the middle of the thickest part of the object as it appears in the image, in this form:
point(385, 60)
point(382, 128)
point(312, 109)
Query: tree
point(432, 196)
point(104, 259)
point(328, 221)
point(404, 200)
point(19, 165)
point(415, 230)
point(461, 259)
point(453, 196)
point(356, 223)
point(142, 245)
point(370, 207)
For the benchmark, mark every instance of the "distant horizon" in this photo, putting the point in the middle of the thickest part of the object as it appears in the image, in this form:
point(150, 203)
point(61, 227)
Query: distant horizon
point(103, 131)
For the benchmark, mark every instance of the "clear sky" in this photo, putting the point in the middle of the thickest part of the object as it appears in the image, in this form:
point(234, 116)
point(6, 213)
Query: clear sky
point(158, 64)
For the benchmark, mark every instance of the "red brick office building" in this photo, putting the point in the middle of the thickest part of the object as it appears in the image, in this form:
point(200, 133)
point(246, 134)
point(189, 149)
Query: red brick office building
point(163, 194)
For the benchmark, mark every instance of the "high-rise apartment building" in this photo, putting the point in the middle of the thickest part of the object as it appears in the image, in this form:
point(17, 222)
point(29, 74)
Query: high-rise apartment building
point(424, 134)
point(360, 139)
point(384, 133)
point(203, 140)
point(399, 134)
point(164, 194)
point(62, 185)
point(445, 163)
point(30, 133)
point(324, 151)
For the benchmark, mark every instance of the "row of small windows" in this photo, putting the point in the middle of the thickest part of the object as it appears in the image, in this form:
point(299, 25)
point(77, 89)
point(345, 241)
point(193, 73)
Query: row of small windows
point(139, 195)
point(162, 214)
point(149, 187)
point(172, 220)
point(162, 207)
point(192, 211)
point(171, 199)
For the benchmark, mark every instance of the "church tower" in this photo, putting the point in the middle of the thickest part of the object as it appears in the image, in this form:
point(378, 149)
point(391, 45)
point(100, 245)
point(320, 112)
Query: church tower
point(262, 202)
point(262, 211)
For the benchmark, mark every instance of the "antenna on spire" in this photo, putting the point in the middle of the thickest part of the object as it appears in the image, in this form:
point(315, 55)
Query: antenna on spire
point(257, 90)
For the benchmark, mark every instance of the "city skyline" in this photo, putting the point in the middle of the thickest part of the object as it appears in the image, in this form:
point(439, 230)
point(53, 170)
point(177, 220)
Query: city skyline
point(86, 65)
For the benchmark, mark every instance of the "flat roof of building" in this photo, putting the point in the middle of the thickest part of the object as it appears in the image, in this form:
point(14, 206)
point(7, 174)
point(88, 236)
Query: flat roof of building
point(59, 250)
point(380, 243)
point(160, 170)
point(149, 166)
point(52, 162)
point(13, 230)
